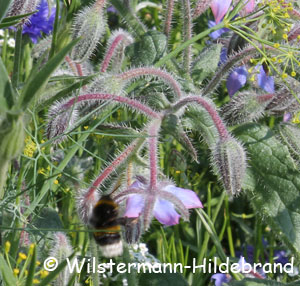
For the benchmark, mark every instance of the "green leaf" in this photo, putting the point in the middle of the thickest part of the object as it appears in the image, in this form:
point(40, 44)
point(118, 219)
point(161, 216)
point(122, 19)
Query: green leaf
point(4, 5)
point(199, 119)
point(260, 282)
point(48, 219)
point(36, 85)
point(55, 273)
point(206, 63)
point(8, 24)
point(31, 272)
point(6, 91)
point(17, 17)
point(149, 49)
point(7, 275)
point(64, 92)
point(274, 182)
point(11, 21)
point(166, 279)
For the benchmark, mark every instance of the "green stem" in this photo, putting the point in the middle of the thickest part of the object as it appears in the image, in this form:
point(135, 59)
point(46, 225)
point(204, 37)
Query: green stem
point(4, 164)
point(17, 58)
point(228, 227)
point(94, 254)
point(206, 235)
point(187, 35)
point(241, 33)
point(55, 29)
point(4, 47)
point(187, 43)
point(130, 275)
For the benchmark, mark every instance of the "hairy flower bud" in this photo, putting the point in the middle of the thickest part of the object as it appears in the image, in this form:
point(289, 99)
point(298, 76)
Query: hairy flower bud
point(107, 84)
point(283, 102)
point(245, 106)
point(201, 7)
point(60, 117)
point(229, 161)
point(61, 250)
point(89, 25)
point(290, 135)
point(116, 45)
point(20, 7)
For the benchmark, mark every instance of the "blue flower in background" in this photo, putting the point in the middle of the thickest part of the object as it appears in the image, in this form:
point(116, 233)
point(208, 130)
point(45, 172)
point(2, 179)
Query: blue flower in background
point(236, 80)
point(264, 81)
point(40, 22)
point(216, 34)
point(220, 278)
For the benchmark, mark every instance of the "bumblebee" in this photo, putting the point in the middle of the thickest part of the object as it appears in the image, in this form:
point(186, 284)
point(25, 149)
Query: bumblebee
point(105, 218)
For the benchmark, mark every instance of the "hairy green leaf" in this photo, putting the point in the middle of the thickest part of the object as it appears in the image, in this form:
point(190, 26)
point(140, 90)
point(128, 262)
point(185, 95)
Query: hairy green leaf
point(274, 182)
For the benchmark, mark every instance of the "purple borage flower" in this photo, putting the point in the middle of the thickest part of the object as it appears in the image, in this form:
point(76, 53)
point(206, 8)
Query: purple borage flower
point(221, 279)
point(161, 202)
point(238, 77)
point(40, 22)
point(220, 8)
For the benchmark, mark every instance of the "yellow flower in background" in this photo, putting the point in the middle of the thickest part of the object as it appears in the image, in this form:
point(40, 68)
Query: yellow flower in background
point(30, 147)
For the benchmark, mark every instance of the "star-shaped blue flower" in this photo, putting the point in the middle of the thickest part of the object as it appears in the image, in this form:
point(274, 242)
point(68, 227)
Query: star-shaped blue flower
point(40, 22)
point(163, 202)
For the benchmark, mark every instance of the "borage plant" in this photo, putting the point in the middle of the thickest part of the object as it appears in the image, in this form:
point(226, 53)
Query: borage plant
point(122, 130)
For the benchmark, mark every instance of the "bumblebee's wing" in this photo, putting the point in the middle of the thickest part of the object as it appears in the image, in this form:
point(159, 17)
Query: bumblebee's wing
point(132, 228)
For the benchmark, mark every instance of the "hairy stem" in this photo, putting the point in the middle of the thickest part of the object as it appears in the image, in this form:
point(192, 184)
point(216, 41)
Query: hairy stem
point(168, 17)
point(99, 96)
point(110, 52)
point(152, 141)
point(115, 164)
point(223, 133)
point(187, 34)
point(164, 76)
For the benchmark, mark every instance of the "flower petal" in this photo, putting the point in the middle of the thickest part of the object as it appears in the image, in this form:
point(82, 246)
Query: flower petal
point(287, 117)
point(249, 6)
point(165, 212)
point(219, 278)
point(220, 8)
point(216, 34)
point(187, 197)
point(236, 80)
point(134, 206)
point(264, 81)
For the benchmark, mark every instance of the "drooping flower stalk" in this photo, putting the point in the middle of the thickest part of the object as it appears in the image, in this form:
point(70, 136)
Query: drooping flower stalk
point(155, 72)
point(152, 141)
point(187, 34)
point(137, 105)
point(64, 114)
point(86, 199)
point(223, 133)
point(116, 44)
point(168, 17)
